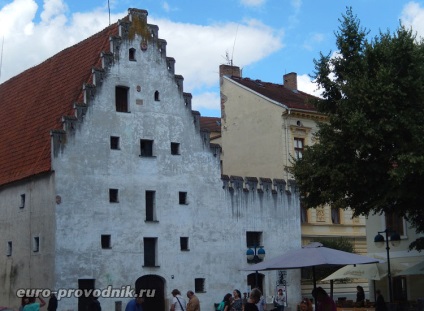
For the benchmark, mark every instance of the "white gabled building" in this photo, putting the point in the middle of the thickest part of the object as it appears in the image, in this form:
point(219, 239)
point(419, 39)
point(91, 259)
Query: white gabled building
point(107, 181)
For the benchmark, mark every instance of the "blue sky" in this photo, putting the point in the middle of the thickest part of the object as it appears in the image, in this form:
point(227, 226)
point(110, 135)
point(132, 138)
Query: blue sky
point(266, 38)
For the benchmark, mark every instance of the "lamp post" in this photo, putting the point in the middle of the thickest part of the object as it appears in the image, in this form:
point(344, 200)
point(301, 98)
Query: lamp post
point(379, 242)
point(255, 254)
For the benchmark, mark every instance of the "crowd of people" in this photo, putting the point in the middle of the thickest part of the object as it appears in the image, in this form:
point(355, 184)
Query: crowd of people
point(235, 302)
point(255, 301)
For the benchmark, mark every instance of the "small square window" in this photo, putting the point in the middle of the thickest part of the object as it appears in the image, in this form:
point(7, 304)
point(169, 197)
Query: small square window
point(184, 243)
point(9, 249)
point(199, 285)
point(36, 244)
point(113, 195)
point(183, 197)
point(114, 143)
point(175, 148)
point(105, 240)
point(22, 201)
point(146, 148)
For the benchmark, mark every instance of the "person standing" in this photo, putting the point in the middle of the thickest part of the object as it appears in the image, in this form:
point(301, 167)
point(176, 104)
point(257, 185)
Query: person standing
point(380, 304)
point(34, 306)
point(52, 306)
point(178, 302)
point(135, 304)
point(193, 302)
point(255, 296)
point(360, 296)
point(324, 301)
point(280, 300)
point(227, 302)
point(237, 303)
point(94, 304)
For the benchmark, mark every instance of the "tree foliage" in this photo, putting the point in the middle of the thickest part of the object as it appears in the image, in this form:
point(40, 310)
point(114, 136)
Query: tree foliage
point(370, 155)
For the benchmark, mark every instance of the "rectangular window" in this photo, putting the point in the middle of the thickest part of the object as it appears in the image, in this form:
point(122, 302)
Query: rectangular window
point(253, 238)
point(298, 148)
point(184, 243)
point(36, 244)
point(114, 143)
point(9, 249)
point(199, 285)
point(150, 245)
point(303, 214)
point(106, 241)
point(22, 201)
point(146, 148)
point(150, 206)
point(335, 216)
point(395, 223)
point(121, 99)
point(182, 197)
point(113, 195)
point(175, 148)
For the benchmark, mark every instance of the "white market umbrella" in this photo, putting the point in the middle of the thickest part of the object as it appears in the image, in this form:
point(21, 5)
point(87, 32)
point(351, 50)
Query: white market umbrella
point(373, 271)
point(312, 255)
point(414, 270)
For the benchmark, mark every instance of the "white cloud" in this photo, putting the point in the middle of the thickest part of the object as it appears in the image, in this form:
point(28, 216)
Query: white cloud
point(312, 39)
point(166, 6)
point(206, 100)
point(413, 16)
point(17, 16)
point(53, 9)
point(252, 3)
point(199, 50)
point(305, 84)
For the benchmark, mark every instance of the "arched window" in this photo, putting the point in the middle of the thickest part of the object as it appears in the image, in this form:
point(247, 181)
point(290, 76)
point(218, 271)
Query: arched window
point(157, 96)
point(131, 54)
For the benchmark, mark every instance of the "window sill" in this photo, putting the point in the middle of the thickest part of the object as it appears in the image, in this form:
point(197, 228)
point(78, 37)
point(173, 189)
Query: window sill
point(185, 250)
point(151, 266)
point(146, 156)
point(152, 221)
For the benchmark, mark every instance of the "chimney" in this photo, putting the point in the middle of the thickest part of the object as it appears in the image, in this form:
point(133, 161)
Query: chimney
point(290, 81)
point(228, 70)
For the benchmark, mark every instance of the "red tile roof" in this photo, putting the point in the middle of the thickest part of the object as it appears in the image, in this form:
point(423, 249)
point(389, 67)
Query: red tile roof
point(277, 92)
point(33, 103)
point(212, 124)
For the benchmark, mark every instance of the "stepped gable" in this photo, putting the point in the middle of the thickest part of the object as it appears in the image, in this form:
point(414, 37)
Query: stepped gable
point(34, 102)
point(279, 93)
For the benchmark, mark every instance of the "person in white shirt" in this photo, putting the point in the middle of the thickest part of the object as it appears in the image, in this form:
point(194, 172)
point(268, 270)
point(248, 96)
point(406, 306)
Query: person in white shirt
point(178, 302)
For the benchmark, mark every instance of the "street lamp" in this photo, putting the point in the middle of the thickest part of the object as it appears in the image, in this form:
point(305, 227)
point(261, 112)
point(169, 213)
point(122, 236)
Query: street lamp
point(255, 255)
point(379, 242)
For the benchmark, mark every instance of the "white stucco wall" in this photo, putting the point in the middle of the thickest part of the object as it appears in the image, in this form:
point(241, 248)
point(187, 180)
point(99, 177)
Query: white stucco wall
point(215, 220)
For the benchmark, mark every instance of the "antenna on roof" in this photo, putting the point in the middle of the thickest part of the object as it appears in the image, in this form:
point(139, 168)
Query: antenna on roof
point(1, 56)
point(232, 53)
point(108, 7)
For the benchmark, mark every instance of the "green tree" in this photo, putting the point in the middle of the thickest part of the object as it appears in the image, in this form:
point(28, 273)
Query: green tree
point(370, 155)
